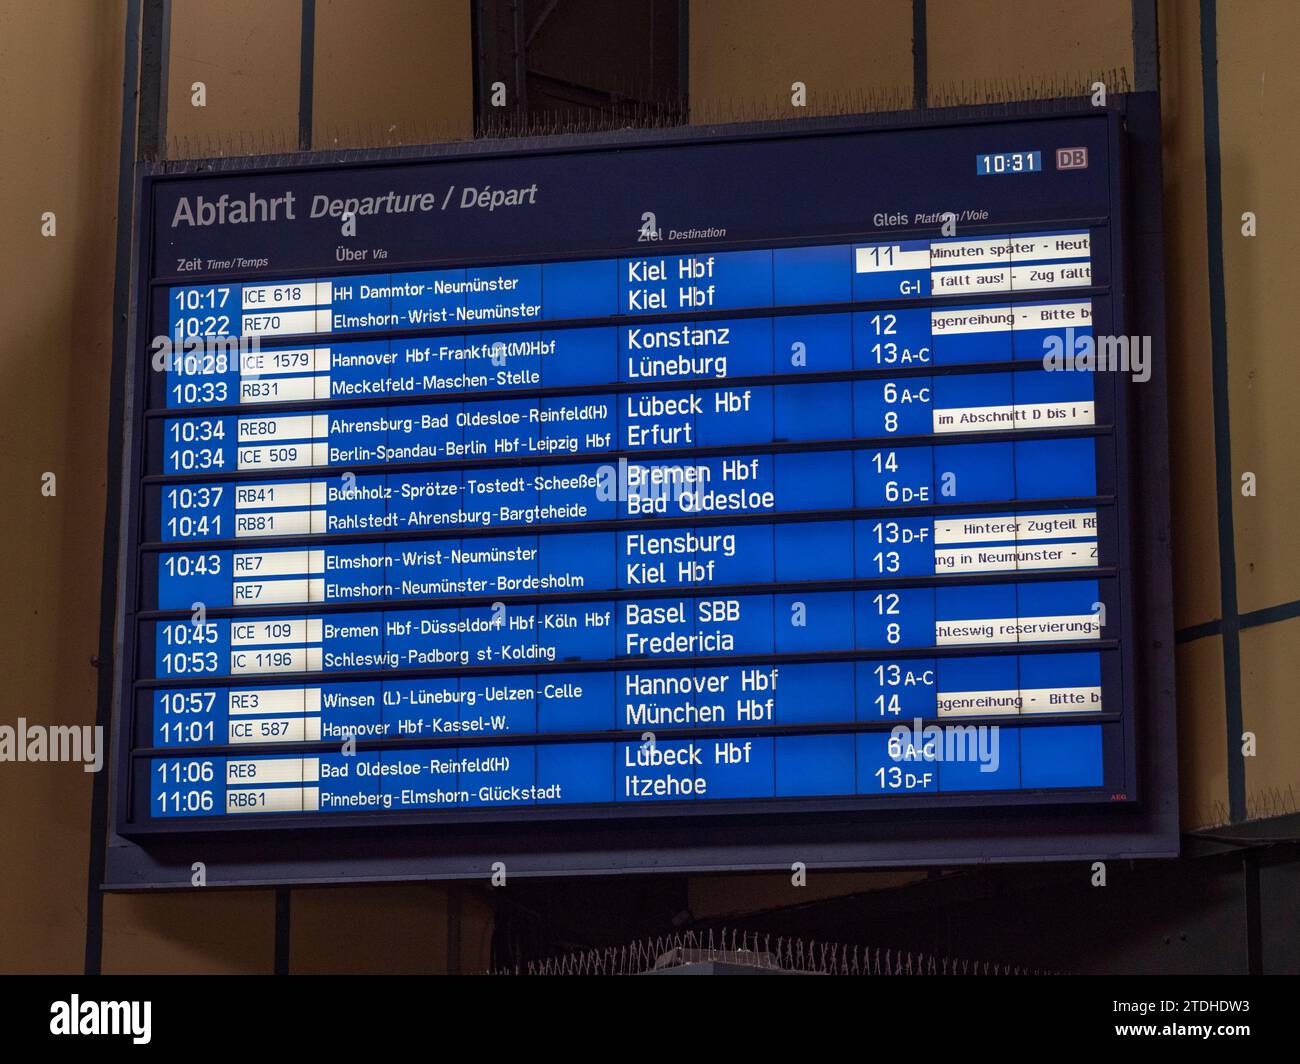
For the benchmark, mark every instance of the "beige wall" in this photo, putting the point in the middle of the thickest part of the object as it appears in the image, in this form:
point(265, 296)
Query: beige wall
point(400, 929)
point(1259, 80)
point(1270, 676)
point(60, 101)
point(245, 55)
point(389, 72)
point(1258, 83)
point(228, 932)
point(1024, 48)
point(746, 54)
point(399, 70)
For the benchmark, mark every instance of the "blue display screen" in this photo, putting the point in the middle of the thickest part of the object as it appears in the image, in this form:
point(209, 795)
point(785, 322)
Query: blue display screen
point(542, 507)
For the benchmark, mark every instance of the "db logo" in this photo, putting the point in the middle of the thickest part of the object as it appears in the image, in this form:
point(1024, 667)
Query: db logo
point(1072, 158)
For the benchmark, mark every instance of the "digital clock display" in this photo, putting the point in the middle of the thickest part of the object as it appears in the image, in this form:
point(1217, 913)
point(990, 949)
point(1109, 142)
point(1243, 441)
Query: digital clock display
point(1008, 162)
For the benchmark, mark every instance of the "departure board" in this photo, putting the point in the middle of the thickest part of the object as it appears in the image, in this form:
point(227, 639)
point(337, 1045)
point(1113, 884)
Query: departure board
point(731, 478)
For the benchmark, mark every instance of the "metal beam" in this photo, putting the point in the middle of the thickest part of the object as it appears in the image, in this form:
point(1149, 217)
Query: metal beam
point(283, 926)
point(920, 57)
point(155, 48)
point(132, 80)
point(540, 21)
point(306, 74)
point(1251, 905)
point(1146, 47)
point(1225, 478)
